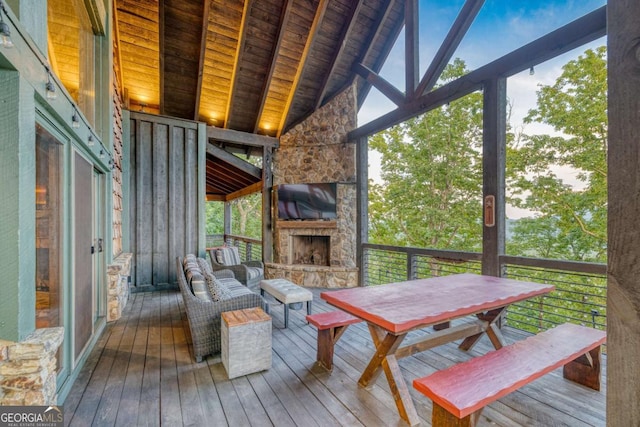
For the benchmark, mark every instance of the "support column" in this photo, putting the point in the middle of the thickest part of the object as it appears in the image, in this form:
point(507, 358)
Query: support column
point(267, 220)
point(17, 210)
point(623, 281)
point(493, 167)
point(362, 197)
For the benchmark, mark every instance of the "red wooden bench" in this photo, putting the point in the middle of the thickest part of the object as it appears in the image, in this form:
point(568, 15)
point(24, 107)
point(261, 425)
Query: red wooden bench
point(331, 325)
point(459, 393)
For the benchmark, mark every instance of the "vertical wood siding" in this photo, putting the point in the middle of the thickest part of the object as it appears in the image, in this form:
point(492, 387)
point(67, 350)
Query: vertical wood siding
point(164, 196)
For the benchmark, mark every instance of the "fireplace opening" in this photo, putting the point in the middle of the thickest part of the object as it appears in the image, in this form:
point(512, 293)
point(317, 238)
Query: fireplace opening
point(313, 250)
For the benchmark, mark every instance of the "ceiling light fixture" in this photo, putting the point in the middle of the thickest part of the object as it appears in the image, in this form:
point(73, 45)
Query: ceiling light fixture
point(50, 87)
point(90, 140)
point(532, 71)
point(5, 32)
point(75, 120)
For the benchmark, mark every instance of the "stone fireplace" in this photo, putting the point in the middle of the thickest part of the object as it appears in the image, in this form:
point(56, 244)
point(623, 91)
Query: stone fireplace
point(319, 253)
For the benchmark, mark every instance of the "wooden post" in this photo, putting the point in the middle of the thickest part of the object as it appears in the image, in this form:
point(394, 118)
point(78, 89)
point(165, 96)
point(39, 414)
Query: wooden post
point(411, 49)
point(267, 220)
point(362, 196)
point(227, 220)
point(623, 281)
point(493, 166)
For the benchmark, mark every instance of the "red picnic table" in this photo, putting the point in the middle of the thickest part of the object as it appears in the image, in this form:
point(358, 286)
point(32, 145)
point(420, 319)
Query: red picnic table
point(393, 310)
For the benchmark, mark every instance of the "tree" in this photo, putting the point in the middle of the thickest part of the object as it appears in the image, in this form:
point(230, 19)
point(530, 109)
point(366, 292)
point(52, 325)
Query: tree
point(432, 173)
point(576, 107)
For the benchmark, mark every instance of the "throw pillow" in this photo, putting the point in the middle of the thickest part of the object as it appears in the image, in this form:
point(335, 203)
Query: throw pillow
point(204, 265)
point(228, 256)
point(217, 289)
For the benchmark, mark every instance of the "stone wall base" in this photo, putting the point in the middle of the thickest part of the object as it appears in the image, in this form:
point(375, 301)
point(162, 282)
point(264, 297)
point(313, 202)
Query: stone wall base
point(28, 369)
point(118, 290)
point(313, 276)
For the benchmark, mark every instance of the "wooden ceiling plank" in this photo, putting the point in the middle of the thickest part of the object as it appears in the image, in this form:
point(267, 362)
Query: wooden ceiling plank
point(203, 50)
point(284, 20)
point(387, 89)
point(347, 29)
point(161, 52)
point(583, 30)
point(461, 25)
point(239, 50)
point(315, 26)
point(234, 160)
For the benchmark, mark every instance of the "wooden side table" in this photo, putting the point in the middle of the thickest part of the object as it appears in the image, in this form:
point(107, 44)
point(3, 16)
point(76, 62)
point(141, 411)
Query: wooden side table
point(245, 341)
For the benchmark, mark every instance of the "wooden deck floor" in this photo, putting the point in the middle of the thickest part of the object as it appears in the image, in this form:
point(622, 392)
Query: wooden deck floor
point(142, 373)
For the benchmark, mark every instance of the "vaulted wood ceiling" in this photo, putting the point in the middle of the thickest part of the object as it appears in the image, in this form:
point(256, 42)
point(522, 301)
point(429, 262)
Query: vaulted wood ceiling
point(257, 66)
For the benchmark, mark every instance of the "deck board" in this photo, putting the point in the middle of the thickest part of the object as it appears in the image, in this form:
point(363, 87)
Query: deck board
point(142, 372)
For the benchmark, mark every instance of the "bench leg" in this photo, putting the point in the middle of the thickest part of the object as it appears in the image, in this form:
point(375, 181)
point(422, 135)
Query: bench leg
point(309, 307)
point(585, 369)
point(286, 315)
point(443, 418)
point(327, 339)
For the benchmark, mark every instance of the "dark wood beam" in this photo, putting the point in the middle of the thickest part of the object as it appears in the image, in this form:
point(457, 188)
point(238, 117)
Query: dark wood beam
point(234, 160)
point(311, 39)
point(391, 40)
point(203, 50)
point(341, 44)
point(362, 207)
point(494, 142)
point(253, 188)
point(239, 137)
point(411, 46)
point(387, 89)
point(451, 42)
point(267, 202)
point(623, 279)
point(575, 34)
point(239, 49)
point(284, 21)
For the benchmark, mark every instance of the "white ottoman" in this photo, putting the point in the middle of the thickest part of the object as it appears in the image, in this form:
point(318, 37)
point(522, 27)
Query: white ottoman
point(287, 293)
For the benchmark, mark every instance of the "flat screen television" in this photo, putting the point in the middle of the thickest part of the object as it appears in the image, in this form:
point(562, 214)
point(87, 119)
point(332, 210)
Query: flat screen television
point(307, 201)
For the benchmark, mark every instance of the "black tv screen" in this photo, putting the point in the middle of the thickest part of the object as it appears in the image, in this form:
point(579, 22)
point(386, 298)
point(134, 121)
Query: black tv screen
point(307, 201)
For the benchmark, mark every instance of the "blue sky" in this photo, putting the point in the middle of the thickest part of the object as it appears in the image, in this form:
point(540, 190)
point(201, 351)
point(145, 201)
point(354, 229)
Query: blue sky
point(501, 27)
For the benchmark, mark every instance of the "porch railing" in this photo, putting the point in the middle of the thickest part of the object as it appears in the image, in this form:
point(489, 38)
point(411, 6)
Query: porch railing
point(580, 295)
point(250, 249)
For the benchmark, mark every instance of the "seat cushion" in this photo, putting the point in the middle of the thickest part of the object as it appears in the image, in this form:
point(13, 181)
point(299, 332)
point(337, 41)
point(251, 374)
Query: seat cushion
point(228, 256)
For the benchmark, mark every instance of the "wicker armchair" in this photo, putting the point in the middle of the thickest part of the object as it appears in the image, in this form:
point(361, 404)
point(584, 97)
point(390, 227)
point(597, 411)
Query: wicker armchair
point(249, 273)
point(204, 316)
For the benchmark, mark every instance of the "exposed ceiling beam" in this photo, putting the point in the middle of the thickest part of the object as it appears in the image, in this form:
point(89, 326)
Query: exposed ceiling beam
point(347, 29)
point(232, 175)
point(284, 21)
point(377, 66)
point(573, 35)
point(203, 50)
point(411, 46)
point(234, 160)
point(451, 42)
point(238, 137)
point(253, 188)
point(116, 36)
point(313, 31)
point(239, 49)
point(387, 89)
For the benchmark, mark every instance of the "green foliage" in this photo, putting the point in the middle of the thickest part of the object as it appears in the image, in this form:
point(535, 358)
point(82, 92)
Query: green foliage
point(246, 217)
point(432, 169)
point(574, 218)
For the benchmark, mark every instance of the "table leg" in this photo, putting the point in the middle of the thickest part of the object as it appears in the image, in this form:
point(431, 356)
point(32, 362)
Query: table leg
point(492, 330)
point(385, 360)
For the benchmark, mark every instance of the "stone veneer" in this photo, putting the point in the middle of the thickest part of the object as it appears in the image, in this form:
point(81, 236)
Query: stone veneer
point(28, 369)
point(118, 286)
point(318, 151)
